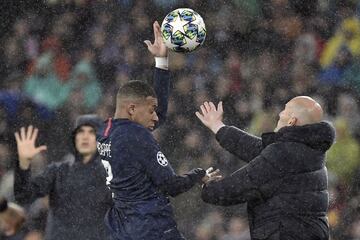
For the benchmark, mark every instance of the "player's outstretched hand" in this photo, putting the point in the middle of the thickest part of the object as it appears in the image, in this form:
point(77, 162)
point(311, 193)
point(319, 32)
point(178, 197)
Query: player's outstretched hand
point(210, 116)
point(211, 175)
point(158, 48)
point(25, 141)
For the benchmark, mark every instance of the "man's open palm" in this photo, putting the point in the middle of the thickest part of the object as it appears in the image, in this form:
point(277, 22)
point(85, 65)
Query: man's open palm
point(210, 116)
point(158, 48)
point(25, 141)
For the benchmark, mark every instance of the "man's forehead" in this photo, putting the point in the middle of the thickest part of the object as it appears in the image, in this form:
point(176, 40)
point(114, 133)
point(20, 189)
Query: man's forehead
point(152, 100)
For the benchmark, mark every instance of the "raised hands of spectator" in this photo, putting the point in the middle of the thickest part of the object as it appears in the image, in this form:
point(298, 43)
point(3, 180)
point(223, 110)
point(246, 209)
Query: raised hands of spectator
point(211, 116)
point(211, 175)
point(158, 48)
point(25, 140)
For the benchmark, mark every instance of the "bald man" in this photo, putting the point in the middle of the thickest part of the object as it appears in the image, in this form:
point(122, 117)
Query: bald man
point(285, 181)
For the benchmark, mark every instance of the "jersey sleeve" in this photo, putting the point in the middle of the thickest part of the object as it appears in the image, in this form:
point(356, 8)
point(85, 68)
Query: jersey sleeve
point(27, 189)
point(162, 88)
point(159, 169)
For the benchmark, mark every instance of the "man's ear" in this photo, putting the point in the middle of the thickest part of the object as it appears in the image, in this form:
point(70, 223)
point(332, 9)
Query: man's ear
point(131, 109)
point(292, 121)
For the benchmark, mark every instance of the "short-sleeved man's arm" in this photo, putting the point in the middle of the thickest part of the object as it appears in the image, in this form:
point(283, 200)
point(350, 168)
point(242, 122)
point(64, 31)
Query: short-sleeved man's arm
point(242, 185)
point(162, 90)
point(240, 143)
point(159, 170)
point(27, 189)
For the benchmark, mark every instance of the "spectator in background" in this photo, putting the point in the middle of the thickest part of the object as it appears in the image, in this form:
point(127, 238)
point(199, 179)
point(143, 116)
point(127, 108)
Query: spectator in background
point(20, 47)
point(54, 44)
point(34, 235)
point(333, 74)
point(6, 172)
point(347, 36)
point(61, 62)
point(76, 187)
point(351, 77)
point(44, 86)
point(343, 158)
point(211, 226)
point(331, 79)
point(85, 88)
point(12, 217)
point(238, 230)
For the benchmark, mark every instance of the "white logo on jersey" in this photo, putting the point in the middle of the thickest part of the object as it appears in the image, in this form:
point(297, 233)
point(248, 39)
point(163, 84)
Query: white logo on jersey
point(108, 170)
point(161, 159)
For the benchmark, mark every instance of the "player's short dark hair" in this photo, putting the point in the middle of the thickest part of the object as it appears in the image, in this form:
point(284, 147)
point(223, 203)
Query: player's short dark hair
point(136, 89)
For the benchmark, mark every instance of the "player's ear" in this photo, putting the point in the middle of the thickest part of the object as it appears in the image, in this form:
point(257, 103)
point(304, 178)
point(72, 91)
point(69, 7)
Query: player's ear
point(292, 121)
point(131, 109)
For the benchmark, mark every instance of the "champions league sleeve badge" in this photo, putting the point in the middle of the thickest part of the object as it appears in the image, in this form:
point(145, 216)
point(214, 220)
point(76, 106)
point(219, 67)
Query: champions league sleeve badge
point(161, 159)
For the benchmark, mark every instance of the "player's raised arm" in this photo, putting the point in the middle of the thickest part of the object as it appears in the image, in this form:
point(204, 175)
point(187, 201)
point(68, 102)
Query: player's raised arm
point(161, 75)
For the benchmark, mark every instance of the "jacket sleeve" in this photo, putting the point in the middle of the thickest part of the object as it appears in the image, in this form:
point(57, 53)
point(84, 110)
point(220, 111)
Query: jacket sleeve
point(162, 90)
point(179, 184)
point(240, 143)
point(243, 185)
point(27, 189)
point(159, 170)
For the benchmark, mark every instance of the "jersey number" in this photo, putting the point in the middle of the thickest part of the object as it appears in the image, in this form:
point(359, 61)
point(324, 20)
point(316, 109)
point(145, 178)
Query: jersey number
point(108, 170)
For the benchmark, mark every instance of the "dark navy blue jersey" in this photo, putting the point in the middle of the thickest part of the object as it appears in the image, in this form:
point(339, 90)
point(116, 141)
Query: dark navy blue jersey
point(139, 175)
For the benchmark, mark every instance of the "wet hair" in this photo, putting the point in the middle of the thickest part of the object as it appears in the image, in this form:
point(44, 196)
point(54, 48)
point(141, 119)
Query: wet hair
point(135, 89)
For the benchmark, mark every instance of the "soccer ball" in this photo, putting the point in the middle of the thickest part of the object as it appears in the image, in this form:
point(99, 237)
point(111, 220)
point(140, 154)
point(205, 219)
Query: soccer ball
point(183, 30)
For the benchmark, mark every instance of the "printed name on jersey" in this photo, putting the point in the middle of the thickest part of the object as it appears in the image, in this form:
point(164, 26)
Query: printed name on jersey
point(161, 159)
point(104, 149)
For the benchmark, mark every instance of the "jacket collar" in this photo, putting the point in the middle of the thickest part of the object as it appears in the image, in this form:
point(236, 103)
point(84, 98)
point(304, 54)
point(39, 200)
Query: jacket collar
point(319, 136)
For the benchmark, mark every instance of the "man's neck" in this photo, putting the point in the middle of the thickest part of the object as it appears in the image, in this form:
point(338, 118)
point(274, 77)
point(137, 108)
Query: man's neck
point(86, 159)
point(121, 114)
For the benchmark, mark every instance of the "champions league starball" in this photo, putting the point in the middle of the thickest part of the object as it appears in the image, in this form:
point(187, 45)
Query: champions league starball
point(183, 30)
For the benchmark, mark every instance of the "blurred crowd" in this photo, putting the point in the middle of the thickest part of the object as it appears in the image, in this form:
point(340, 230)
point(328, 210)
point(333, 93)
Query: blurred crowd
point(63, 58)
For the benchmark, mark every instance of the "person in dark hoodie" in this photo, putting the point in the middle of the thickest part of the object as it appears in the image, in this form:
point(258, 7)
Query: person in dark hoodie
point(285, 180)
point(78, 195)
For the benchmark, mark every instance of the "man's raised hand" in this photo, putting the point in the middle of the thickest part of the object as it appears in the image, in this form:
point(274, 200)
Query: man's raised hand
point(25, 141)
point(210, 116)
point(158, 48)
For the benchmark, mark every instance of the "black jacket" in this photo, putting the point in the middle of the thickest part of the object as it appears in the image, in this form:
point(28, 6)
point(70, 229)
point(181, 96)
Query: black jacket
point(78, 196)
point(284, 182)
